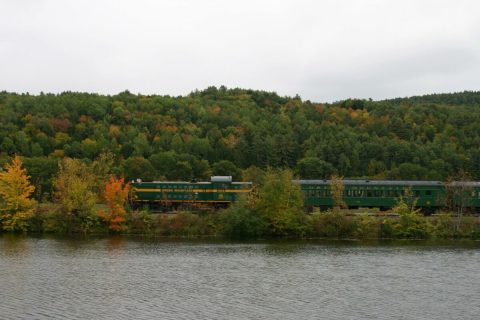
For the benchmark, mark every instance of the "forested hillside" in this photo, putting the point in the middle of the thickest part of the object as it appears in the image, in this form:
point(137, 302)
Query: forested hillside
point(225, 131)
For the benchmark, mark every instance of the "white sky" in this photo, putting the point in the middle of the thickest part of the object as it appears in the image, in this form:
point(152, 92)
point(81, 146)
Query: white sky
point(322, 50)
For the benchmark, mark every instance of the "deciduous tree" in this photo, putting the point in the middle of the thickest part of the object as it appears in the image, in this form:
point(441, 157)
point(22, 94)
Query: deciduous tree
point(74, 187)
point(337, 187)
point(116, 194)
point(281, 202)
point(17, 207)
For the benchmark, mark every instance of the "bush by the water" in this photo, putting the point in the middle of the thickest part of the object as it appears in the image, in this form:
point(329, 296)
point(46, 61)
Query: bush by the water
point(331, 224)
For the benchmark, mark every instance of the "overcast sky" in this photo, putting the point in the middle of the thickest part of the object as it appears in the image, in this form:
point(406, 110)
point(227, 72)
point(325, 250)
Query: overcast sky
point(322, 50)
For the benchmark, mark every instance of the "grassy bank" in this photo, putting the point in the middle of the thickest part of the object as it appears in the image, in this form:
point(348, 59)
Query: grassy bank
point(235, 224)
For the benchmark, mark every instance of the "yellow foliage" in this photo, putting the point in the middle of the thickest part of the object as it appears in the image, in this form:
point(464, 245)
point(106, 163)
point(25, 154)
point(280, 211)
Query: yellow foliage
point(15, 191)
point(337, 187)
point(57, 153)
point(74, 186)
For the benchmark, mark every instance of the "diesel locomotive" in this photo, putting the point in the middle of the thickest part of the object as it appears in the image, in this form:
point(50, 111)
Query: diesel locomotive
point(164, 195)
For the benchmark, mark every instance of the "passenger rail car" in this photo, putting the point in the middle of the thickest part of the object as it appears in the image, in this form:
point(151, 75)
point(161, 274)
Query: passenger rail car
point(429, 195)
point(164, 195)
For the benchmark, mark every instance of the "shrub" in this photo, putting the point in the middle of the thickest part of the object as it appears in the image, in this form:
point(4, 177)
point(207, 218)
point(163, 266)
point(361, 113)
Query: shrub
point(387, 229)
point(241, 221)
point(470, 227)
point(365, 227)
point(332, 224)
point(139, 222)
point(444, 226)
point(185, 224)
point(411, 224)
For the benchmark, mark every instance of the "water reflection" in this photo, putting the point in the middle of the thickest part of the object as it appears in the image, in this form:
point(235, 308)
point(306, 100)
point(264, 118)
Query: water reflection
point(124, 278)
point(115, 243)
point(15, 245)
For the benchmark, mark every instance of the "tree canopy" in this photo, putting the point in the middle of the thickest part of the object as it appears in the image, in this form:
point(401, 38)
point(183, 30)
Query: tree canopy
point(226, 131)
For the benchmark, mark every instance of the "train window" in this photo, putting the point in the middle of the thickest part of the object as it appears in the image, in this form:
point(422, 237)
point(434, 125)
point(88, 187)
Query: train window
point(428, 192)
point(378, 193)
point(349, 193)
point(369, 193)
point(358, 193)
point(417, 193)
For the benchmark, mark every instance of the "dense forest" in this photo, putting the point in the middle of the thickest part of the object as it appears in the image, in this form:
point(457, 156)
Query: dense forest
point(224, 131)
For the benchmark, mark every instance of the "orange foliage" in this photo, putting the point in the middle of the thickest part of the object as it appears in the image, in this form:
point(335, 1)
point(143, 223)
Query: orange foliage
point(84, 119)
point(116, 193)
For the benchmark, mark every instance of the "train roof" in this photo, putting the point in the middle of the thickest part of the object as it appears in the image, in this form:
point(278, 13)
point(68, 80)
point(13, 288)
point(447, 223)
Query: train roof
point(185, 182)
point(354, 182)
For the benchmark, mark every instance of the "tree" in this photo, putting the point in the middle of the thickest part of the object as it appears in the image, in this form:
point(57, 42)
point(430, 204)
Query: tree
point(17, 207)
point(242, 221)
point(116, 194)
point(459, 192)
point(281, 202)
point(410, 224)
point(74, 187)
point(139, 168)
point(226, 168)
point(41, 170)
point(314, 168)
point(337, 187)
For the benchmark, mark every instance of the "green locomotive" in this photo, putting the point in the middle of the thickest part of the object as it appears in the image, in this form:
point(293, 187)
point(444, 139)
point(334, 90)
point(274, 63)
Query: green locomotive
point(164, 195)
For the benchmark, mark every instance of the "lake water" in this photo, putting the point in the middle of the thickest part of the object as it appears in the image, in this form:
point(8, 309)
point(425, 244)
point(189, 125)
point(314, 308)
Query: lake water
point(125, 278)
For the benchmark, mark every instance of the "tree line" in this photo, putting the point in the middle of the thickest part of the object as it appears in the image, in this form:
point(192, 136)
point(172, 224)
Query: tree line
point(88, 198)
point(220, 131)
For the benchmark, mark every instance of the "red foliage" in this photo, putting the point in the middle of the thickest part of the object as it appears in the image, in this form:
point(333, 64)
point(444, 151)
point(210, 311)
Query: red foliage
point(60, 125)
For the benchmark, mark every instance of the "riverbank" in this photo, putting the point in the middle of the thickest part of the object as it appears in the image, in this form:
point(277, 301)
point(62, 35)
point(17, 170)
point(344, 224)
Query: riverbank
point(232, 224)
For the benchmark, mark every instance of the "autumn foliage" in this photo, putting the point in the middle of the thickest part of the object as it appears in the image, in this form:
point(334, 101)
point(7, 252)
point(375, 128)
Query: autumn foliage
point(116, 194)
point(15, 191)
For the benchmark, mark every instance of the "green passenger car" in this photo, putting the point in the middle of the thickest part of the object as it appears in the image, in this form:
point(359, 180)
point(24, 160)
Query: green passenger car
point(218, 192)
point(429, 195)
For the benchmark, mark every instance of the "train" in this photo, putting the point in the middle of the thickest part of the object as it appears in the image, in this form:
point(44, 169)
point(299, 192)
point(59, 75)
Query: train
point(221, 191)
point(429, 196)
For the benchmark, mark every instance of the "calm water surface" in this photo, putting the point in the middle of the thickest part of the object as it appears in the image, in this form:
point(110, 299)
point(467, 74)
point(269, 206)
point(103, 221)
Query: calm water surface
point(124, 278)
